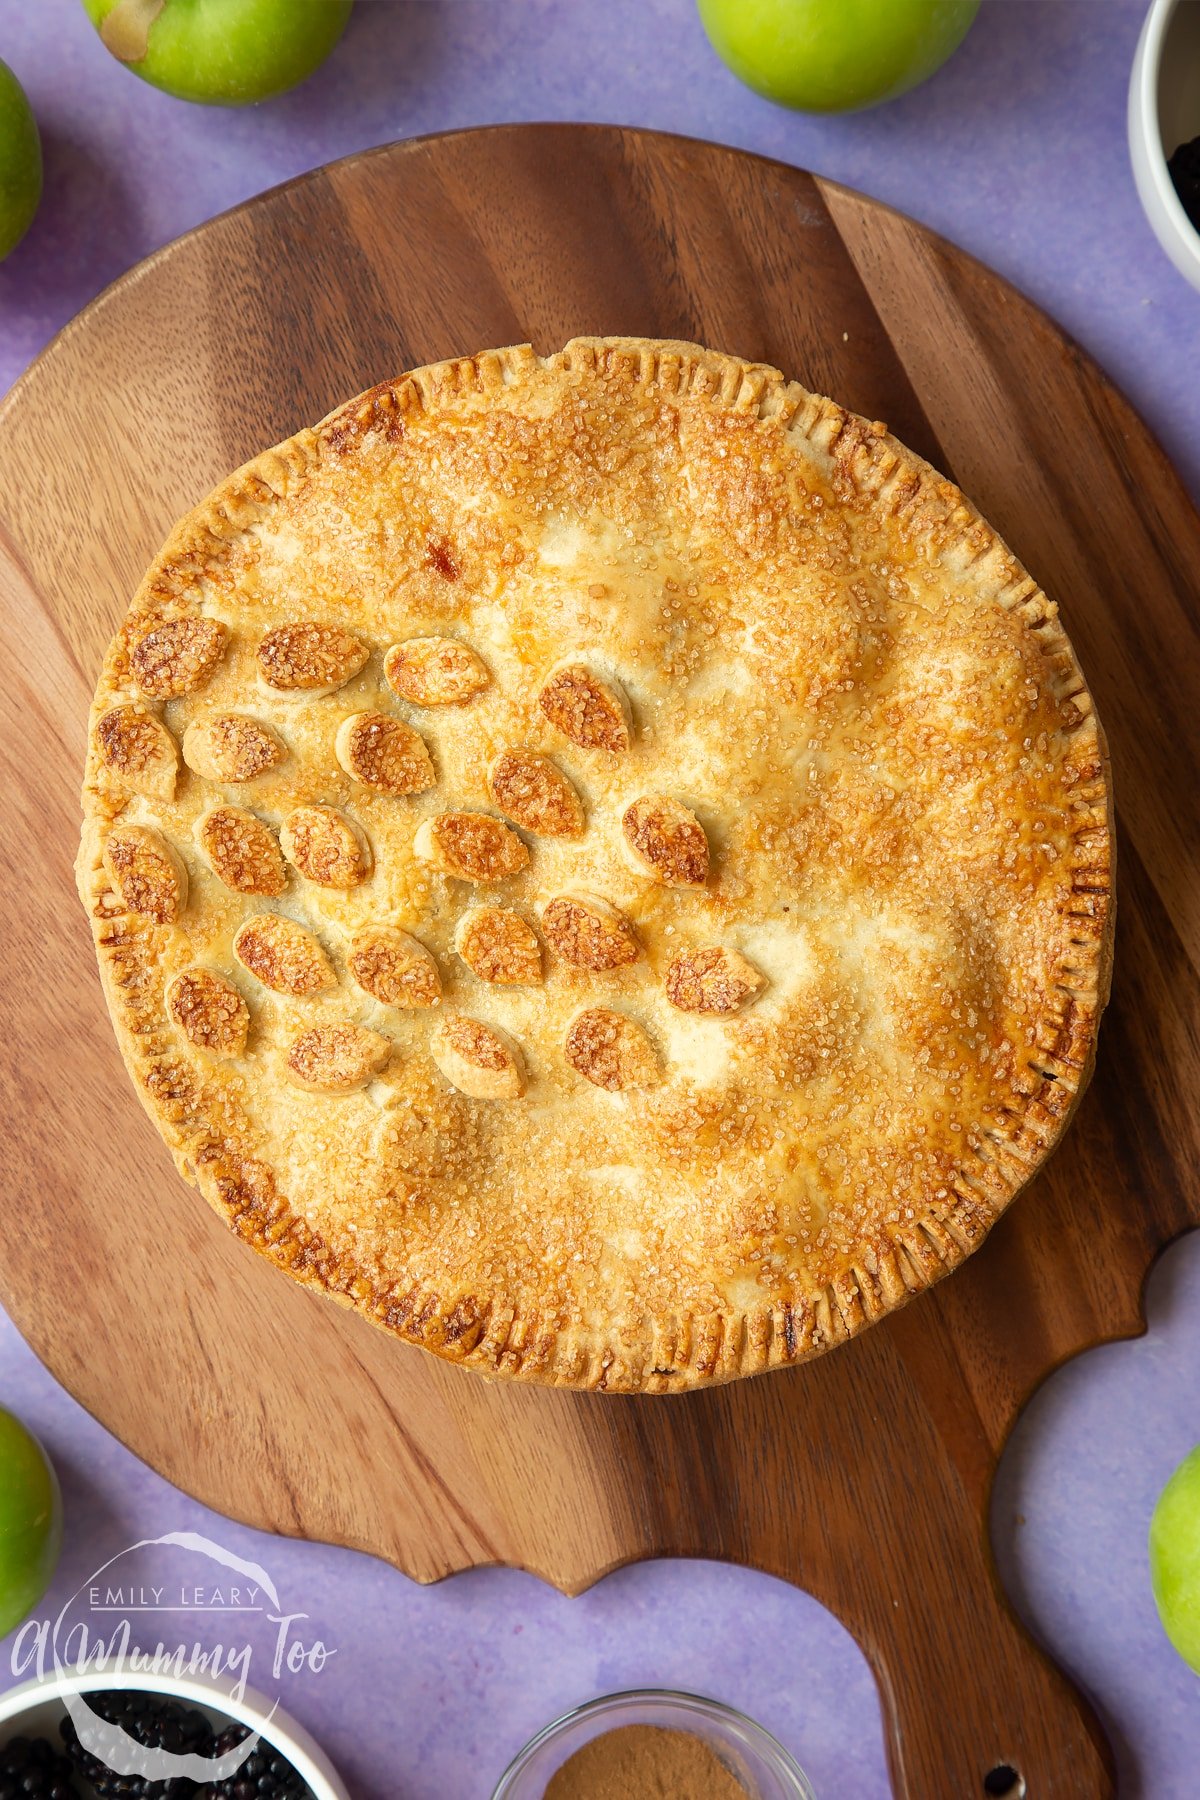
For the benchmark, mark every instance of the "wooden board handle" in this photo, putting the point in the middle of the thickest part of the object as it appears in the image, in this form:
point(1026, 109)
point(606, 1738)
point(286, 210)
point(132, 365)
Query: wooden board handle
point(953, 1730)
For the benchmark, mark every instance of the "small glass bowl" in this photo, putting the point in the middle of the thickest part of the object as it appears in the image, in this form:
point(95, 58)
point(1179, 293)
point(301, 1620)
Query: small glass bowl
point(762, 1765)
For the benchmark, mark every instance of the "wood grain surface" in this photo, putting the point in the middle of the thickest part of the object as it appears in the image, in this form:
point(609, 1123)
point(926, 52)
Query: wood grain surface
point(864, 1477)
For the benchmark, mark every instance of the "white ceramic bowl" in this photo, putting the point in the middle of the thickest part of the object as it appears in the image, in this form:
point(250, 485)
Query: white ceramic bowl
point(1164, 112)
point(35, 1709)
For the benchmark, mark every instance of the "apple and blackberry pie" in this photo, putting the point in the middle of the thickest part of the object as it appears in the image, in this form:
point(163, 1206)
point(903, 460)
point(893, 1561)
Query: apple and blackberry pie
point(600, 863)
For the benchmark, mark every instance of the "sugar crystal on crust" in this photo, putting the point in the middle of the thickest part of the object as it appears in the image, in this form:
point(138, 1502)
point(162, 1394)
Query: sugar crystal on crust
point(667, 840)
point(326, 846)
point(435, 671)
point(209, 1011)
point(393, 967)
point(534, 792)
point(147, 872)
point(138, 749)
point(283, 955)
point(611, 1051)
point(714, 980)
point(384, 754)
point(242, 851)
point(177, 657)
point(589, 933)
point(479, 1060)
point(592, 712)
point(499, 945)
point(307, 657)
point(471, 846)
point(337, 1059)
point(231, 747)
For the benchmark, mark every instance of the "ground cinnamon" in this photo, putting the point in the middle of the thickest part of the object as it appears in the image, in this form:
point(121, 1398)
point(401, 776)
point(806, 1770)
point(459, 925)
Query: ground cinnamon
point(645, 1762)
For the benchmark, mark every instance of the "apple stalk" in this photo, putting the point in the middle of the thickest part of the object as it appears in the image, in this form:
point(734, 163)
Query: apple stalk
point(126, 31)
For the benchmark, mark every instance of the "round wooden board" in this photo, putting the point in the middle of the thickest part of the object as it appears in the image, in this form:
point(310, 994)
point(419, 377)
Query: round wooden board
point(866, 1476)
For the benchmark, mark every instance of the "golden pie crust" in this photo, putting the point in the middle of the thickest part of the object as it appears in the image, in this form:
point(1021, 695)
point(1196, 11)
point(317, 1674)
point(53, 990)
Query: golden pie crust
point(600, 863)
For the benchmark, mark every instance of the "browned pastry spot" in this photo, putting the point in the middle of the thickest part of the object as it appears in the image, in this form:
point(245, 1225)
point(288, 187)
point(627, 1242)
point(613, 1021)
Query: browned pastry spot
point(242, 851)
point(139, 750)
point(499, 946)
point(231, 747)
point(326, 846)
point(667, 841)
point(393, 967)
point(310, 658)
point(532, 791)
point(147, 872)
point(591, 712)
point(283, 955)
point(177, 657)
point(434, 671)
point(611, 1051)
point(209, 1011)
point(384, 754)
point(440, 556)
point(589, 933)
point(472, 846)
point(336, 1059)
point(711, 981)
point(479, 1060)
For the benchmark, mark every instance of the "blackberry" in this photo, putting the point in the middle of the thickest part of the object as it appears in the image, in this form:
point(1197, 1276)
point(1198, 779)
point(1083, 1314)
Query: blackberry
point(32, 1769)
point(1184, 169)
point(265, 1774)
point(159, 1724)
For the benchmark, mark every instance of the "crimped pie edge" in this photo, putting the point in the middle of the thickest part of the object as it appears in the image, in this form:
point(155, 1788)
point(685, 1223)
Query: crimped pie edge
point(690, 1351)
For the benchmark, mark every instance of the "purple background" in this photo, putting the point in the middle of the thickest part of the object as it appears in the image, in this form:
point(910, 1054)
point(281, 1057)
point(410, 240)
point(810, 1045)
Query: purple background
point(1017, 151)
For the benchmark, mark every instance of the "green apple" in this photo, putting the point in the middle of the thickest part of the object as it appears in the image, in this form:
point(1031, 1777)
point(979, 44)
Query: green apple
point(20, 162)
point(1175, 1558)
point(221, 52)
point(834, 55)
point(30, 1522)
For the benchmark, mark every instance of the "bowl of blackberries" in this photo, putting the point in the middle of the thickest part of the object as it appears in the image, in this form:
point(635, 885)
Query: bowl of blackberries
point(154, 1737)
point(1164, 129)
